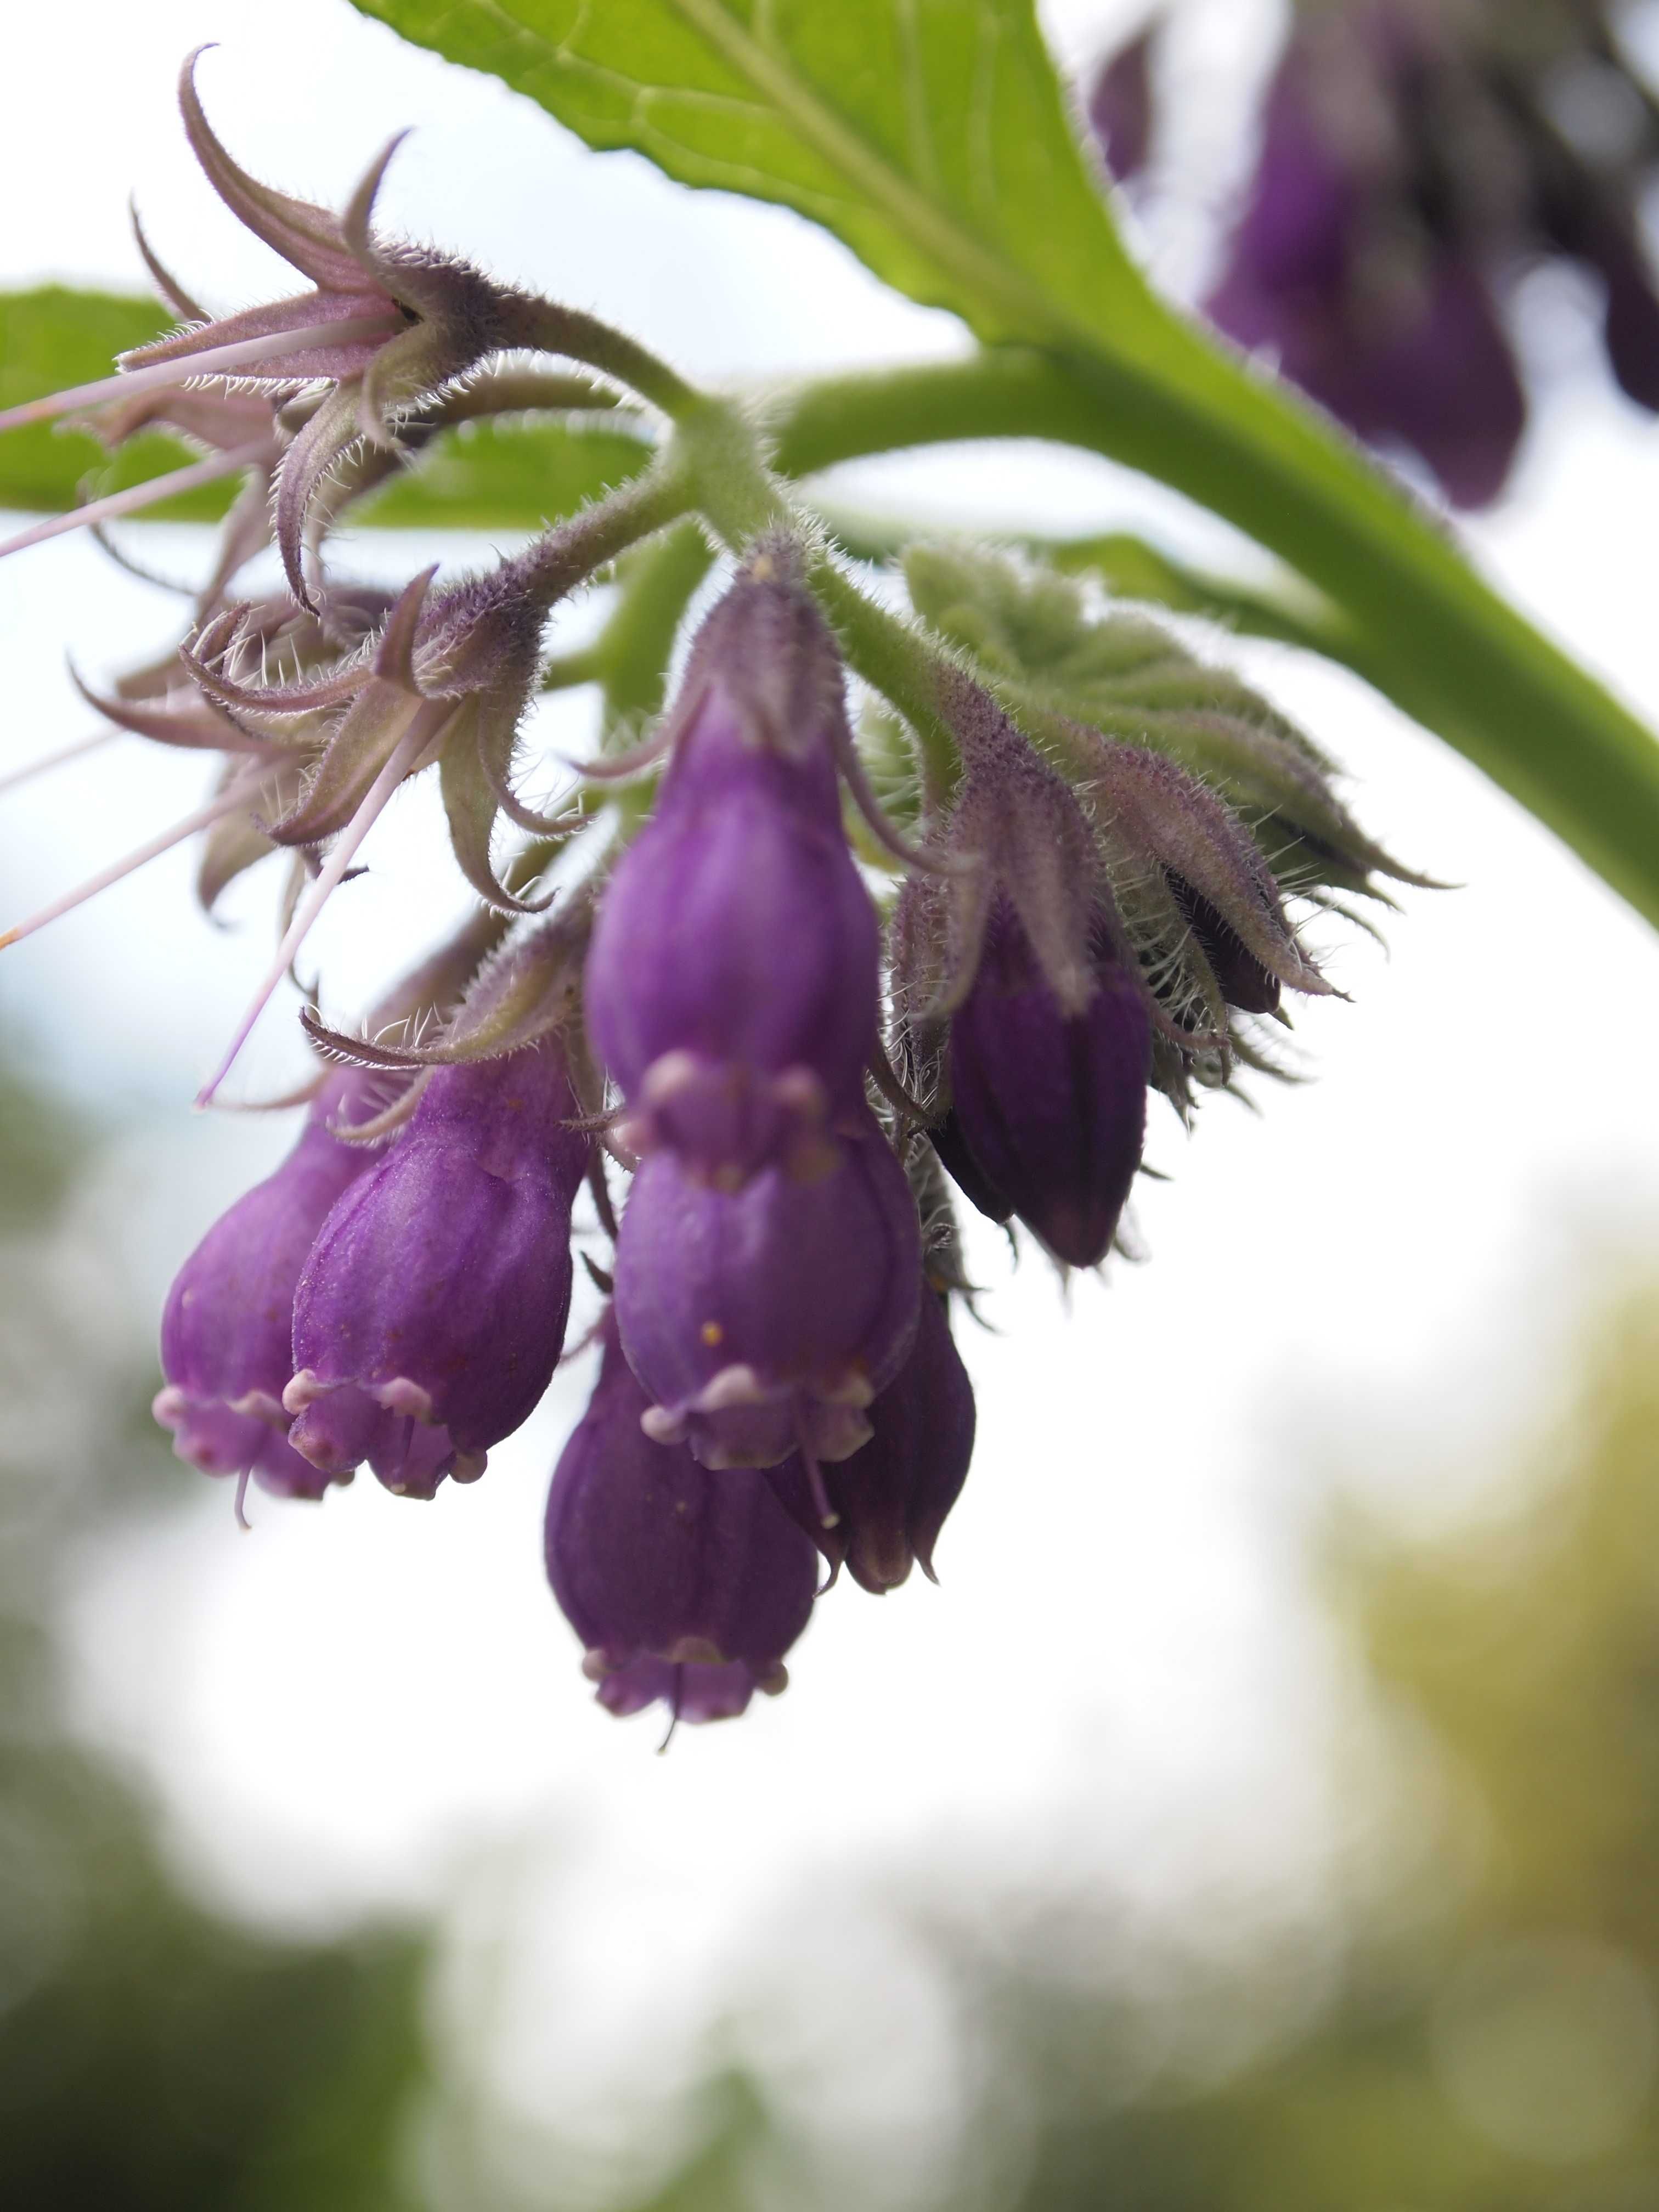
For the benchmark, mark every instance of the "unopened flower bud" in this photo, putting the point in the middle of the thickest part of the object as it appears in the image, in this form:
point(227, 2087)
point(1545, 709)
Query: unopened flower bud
point(1242, 979)
point(767, 1319)
point(1049, 1109)
point(732, 984)
point(431, 1312)
point(1020, 1009)
point(681, 1584)
point(890, 1499)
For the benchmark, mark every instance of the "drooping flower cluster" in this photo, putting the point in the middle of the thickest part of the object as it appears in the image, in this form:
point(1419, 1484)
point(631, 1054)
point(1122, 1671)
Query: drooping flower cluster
point(794, 1048)
point(402, 1306)
point(1417, 157)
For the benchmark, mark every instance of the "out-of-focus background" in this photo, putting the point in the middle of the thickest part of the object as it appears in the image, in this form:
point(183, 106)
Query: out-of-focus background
point(1264, 1811)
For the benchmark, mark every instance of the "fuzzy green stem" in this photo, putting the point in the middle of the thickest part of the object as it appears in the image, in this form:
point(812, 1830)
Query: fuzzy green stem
point(590, 541)
point(549, 327)
point(631, 654)
point(893, 660)
point(742, 498)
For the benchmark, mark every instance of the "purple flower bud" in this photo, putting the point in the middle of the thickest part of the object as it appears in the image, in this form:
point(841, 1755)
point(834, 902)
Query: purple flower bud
point(431, 1312)
point(682, 1585)
point(767, 1319)
point(1244, 980)
point(226, 1332)
point(891, 1497)
point(1120, 107)
point(732, 981)
point(1048, 1112)
point(1404, 348)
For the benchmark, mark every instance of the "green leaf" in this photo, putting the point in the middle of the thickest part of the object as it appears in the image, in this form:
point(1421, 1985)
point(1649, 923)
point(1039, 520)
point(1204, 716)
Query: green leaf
point(51, 339)
point(926, 134)
point(511, 474)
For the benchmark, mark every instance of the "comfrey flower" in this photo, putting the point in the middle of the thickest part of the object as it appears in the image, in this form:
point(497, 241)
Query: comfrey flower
point(1115, 845)
point(682, 1585)
point(226, 1335)
point(732, 983)
point(431, 1309)
point(766, 1320)
point(1048, 1111)
point(888, 1501)
point(227, 1330)
point(1414, 159)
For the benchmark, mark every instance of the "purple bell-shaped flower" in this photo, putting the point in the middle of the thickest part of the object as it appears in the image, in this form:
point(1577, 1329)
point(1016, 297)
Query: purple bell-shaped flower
point(225, 1335)
point(682, 1585)
point(890, 1499)
point(1388, 322)
point(431, 1312)
point(1048, 1110)
point(764, 1320)
point(732, 985)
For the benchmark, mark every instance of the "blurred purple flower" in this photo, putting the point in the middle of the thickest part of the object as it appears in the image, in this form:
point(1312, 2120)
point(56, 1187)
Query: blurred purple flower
point(1121, 107)
point(1387, 320)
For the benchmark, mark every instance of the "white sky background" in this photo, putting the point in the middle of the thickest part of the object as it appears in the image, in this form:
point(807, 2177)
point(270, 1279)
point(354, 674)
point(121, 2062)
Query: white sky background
point(1118, 1684)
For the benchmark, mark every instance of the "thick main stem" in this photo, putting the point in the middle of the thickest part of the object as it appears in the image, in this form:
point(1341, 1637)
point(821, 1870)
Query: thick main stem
point(1429, 631)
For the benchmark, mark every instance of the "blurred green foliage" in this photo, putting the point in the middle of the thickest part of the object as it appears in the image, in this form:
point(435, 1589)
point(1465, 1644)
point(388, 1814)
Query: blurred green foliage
point(152, 2055)
point(1491, 2041)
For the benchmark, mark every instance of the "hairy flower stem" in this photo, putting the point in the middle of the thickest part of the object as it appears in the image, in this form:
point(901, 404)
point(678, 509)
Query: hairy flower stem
point(895, 660)
point(630, 655)
point(556, 329)
point(590, 541)
point(742, 498)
